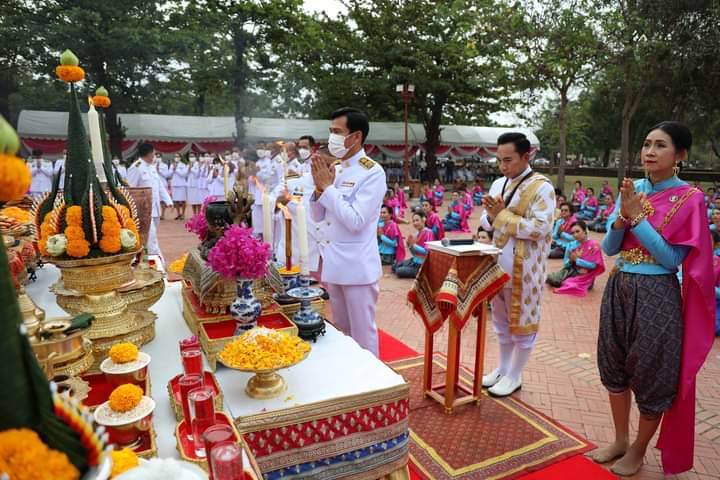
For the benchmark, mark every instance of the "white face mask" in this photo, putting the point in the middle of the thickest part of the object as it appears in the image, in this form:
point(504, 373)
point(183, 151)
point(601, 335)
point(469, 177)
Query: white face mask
point(116, 161)
point(336, 145)
point(303, 153)
point(260, 153)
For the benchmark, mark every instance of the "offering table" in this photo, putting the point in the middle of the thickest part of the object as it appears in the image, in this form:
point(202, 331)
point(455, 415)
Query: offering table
point(344, 415)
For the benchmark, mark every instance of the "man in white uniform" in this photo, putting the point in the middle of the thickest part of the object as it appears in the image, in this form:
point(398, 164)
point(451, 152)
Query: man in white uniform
point(42, 174)
point(143, 173)
point(267, 177)
point(519, 210)
point(165, 173)
point(179, 185)
point(305, 146)
point(348, 201)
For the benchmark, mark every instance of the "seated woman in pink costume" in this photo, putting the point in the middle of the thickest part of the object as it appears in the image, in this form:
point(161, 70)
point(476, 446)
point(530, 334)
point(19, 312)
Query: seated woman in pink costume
point(438, 194)
point(467, 200)
point(427, 194)
point(589, 206)
point(416, 246)
point(390, 240)
point(583, 262)
point(456, 218)
point(578, 195)
point(606, 189)
point(432, 220)
point(655, 333)
point(392, 201)
point(477, 192)
point(599, 224)
point(400, 194)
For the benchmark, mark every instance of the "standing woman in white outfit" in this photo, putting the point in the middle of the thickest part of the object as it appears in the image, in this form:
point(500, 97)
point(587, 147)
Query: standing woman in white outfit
point(193, 185)
point(217, 180)
point(178, 184)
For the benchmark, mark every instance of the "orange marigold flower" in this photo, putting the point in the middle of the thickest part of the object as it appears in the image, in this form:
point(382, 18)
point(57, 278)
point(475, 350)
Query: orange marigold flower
point(78, 248)
point(74, 216)
point(70, 73)
point(124, 352)
point(74, 233)
point(101, 101)
point(22, 216)
point(110, 245)
point(23, 456)
point(123, 460)
point(15, 178)
point(125, 397)
point(42, 246)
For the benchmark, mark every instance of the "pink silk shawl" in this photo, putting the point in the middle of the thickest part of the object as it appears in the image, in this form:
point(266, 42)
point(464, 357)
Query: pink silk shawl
point(434, 220)
point(685, 224)
point(578, 286)
point(391, 230)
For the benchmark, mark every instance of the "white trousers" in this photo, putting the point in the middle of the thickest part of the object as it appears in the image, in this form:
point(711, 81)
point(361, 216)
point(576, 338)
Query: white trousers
point(257, 219)
point(501, 321)
point(153, 246)
point(353, 310)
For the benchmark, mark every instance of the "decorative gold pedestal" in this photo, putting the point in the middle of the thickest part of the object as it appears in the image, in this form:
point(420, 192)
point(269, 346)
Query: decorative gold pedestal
point(265, 385)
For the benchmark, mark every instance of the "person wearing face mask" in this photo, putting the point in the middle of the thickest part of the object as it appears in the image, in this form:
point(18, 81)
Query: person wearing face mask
point(305, 147)
point(178, 183)
point(120, 171)
point(42, 174)
point(348, 199)
point(266, 178)
point(519, 211)
point(193, 181)
point(165, 172)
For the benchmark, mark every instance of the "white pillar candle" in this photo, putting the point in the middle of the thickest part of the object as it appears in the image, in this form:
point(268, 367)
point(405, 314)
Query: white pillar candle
point(302, 238)
point(267, 210)
point(96, 142)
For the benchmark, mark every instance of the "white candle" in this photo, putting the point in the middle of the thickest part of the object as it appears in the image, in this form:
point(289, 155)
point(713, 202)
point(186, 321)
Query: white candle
point(96, 142)
point(267, 210)
point(302, 239)
point(226, 174)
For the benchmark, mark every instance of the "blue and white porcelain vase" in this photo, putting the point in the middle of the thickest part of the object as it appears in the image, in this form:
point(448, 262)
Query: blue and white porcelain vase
point(245, 309)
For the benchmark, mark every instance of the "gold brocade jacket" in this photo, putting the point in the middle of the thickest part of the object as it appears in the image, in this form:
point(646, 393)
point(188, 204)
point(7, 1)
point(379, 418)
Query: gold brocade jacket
point(526, 225)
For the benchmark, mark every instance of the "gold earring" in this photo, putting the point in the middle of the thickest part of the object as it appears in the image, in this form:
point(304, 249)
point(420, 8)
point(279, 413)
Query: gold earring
point(676, 170)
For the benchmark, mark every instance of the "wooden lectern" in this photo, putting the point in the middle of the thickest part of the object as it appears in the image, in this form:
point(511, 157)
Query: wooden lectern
point(455, 283)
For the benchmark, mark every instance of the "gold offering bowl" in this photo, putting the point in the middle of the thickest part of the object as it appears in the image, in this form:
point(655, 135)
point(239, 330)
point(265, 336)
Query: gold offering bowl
point(58, 345)
point(96, 275)
point(266, 383)
point(126, 432)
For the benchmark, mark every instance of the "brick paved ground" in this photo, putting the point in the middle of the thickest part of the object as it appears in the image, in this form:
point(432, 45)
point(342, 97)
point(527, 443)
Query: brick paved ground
point(561, 379)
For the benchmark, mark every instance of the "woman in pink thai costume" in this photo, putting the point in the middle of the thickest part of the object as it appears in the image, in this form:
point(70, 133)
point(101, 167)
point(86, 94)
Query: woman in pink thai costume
point(433, 221)
point(654, 333)
point(456, 218)
point(416, 246)
point(467, 200)
point(599, 224)
point(438, 194)
point(390, 240)
point(606, 189)
point(583, 262)
point(578, 195)
point(589, 207)
point(400, 194)
point(427, 194)
point(393, 202)
point(716, 270)
point(477, 192)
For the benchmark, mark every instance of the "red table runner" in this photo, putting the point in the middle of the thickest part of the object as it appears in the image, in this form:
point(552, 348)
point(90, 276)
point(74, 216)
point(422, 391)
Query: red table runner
point(454, 286)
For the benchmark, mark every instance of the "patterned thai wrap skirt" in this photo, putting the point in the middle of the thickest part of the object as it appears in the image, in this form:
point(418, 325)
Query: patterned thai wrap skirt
point(640, 338)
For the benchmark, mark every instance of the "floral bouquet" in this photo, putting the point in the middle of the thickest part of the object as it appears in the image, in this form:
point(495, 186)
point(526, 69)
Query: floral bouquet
point(238, 254)
point(198, 223)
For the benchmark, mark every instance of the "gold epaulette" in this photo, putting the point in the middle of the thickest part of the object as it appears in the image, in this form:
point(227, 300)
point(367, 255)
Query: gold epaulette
point(292, 174)
point(367, 163)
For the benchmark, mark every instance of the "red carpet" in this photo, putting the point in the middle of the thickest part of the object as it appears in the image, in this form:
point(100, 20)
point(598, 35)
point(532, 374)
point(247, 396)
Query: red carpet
point(579, 467)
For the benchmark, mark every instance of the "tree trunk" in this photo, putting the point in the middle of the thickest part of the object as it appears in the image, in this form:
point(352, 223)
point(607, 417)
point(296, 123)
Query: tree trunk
point(562, 120)
point(239, 82)
point(115, 131)
point(432, 142)
point(606, 158)
point(200, 104)
point(630, 106)
point(8, 86)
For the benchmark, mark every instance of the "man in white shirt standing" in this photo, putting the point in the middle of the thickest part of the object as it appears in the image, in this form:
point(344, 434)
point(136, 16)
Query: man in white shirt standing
point(519, 210)
point(143, 173)
point(42, 174)
point(305, 147)
point(348, 201)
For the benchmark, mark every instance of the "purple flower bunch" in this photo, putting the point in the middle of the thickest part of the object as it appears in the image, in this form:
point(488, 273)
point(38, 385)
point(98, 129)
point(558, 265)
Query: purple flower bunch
point(198, 223)
point(238, 254)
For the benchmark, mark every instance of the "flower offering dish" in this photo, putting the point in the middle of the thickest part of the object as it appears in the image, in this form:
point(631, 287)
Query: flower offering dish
point(126, 427)
point(132, 370)
point(263, 351)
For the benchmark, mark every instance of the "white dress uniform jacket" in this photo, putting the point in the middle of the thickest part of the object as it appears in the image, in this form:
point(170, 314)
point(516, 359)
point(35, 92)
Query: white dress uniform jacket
point(349, 209)
point(41, 176)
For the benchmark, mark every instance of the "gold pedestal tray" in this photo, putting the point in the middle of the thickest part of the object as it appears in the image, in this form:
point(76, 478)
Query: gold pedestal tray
point(266, 383)
point(147, 289)
point(142, 333)
point(55, 366)
point(96, 275)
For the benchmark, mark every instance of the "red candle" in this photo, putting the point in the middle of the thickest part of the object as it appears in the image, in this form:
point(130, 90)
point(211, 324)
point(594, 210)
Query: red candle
point(192, 362)
point(191, 343)
point(187, 383)
point(202, 416)
point(226, 461)
point(218, 434)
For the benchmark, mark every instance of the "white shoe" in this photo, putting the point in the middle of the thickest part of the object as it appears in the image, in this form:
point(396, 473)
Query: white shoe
point(506, 386)
point(491, 378)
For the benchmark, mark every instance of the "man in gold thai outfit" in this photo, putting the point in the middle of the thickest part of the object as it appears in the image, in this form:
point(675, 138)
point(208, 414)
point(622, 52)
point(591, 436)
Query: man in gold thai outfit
point(519, 209)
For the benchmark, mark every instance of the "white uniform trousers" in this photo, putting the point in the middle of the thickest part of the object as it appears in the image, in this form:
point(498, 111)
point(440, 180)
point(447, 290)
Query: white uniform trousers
point(153, 247)
point(353, 310)
point(257, 219)
point(501, 321)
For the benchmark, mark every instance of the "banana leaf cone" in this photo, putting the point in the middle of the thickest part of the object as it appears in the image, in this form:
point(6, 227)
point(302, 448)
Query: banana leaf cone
point(78, 153)
point(26, 401)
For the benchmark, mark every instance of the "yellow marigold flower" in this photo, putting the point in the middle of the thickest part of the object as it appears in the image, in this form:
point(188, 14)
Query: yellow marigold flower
point(122, 461)
point(23, 456)
point(16, 213)
point(70, 73)
point(178, 265)
point(125, 397)
point(263, 349)
point(74, 216)
point(124, 352)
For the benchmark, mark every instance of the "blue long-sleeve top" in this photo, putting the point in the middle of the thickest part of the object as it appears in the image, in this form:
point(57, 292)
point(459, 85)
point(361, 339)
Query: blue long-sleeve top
point(561, 237)
point(587, 264)
point(668, 257)
point(419, 253)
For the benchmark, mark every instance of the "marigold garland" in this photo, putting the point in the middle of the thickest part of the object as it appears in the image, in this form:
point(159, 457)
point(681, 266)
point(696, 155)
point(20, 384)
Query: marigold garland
point(78, 246)
point(123, 352)
point(110, 241)
point(23, 456)
point(70, 73)
point(15, 178)
point(22, 216)
point(122, 461)
point(125, 397)
point(46, 231)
